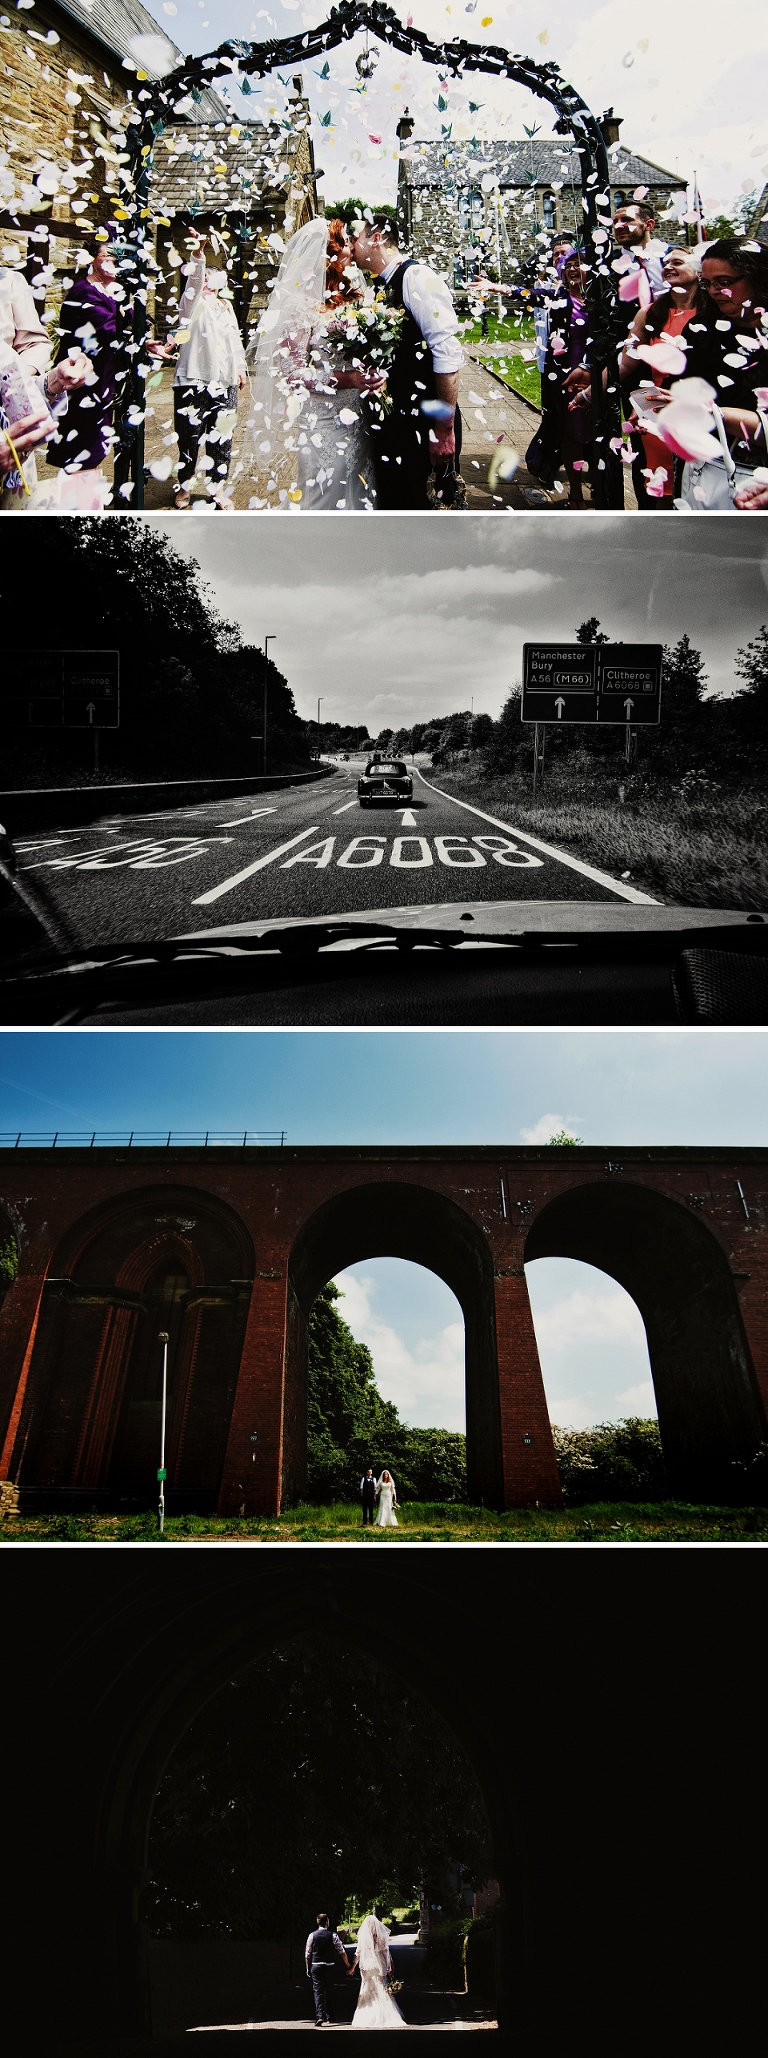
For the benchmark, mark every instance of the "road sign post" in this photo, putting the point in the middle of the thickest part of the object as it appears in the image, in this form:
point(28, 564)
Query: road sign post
point(585, 683)
point(67, 689)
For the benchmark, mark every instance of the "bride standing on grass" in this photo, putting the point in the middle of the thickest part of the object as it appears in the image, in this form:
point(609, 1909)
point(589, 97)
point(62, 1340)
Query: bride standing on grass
point(387, 1499)
point(375, 2009)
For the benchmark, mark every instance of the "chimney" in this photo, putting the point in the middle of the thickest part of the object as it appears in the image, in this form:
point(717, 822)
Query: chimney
point(609, 125)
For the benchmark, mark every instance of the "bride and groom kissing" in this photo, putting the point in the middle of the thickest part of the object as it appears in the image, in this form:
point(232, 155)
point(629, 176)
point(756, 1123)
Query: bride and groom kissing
point(388, 351)
point(376, 2008)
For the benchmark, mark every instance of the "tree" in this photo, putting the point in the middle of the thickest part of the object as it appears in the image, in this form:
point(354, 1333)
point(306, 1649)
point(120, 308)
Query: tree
point(565, 1141)
point(683, 680)
point(507, 738)
point(591, 632)
point(313, 1778)
point(752, 667)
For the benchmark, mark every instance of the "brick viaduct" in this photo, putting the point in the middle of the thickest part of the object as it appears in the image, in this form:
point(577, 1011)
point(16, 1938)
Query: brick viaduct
point(226, 1250)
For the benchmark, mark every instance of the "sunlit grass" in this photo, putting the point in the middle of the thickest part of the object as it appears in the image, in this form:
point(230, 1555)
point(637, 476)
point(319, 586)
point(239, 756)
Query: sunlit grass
point(419, 1522)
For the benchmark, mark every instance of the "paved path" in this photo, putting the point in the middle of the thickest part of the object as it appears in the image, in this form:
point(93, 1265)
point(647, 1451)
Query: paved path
point(489, 410)
point(425, 2008)
point(295, 853)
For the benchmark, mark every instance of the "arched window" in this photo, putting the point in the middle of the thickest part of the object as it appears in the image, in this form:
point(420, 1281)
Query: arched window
point(619, 198)
point(548, 207)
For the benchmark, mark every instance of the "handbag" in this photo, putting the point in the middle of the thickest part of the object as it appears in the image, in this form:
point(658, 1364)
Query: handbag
point(710, 487)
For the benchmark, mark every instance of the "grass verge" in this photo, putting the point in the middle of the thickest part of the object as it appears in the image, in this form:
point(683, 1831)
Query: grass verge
point(688, 852)
point(420, 1522)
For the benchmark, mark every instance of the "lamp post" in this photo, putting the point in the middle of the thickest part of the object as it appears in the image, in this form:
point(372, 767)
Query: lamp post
point(319, 705)
point(163, 1339)
point(267, 641)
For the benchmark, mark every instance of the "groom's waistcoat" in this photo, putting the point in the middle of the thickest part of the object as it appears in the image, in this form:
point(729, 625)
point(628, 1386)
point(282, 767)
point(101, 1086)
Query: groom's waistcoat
point(410, 378)
point(323, 1952)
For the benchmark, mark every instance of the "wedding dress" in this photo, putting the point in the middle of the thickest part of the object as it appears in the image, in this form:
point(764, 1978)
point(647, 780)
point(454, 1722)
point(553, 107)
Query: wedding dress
point(386, 1518)
point(376, 2009)
point(307, 443)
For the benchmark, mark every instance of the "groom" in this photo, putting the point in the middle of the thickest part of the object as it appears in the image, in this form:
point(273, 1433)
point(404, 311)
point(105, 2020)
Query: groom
point(322, 1948)
point(407, 444)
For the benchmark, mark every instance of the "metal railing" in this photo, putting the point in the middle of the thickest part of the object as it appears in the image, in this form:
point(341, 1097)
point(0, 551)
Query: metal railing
point(140, 1139)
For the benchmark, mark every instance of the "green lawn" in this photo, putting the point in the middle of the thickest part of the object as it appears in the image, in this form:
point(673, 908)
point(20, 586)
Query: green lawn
point(516, 371)
point(605, 1522)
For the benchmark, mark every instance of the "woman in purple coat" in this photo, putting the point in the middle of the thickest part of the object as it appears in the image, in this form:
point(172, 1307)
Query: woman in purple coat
point(91, 320)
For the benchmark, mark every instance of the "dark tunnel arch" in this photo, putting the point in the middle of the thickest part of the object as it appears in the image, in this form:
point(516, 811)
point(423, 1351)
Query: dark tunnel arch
point(395, 1220)
point(180, 1694)
point(674, 1268)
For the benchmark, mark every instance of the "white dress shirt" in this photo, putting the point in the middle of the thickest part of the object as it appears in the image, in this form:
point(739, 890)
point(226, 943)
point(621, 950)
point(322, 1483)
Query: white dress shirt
point(428, 300)
point(214, 354)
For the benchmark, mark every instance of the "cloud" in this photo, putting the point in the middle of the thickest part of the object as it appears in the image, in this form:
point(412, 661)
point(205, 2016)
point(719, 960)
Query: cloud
point(584, 1317)
point(425, 1383)
point(547, 1125)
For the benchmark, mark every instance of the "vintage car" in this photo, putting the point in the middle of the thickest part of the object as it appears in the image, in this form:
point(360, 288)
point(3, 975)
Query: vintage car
point(384, 778)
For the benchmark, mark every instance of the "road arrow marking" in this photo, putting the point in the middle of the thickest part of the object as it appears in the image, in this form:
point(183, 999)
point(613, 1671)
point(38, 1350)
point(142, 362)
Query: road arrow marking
point(559, 704)
point(227, 885)
point(628, 706)
point(91, 710)
point(408, 819)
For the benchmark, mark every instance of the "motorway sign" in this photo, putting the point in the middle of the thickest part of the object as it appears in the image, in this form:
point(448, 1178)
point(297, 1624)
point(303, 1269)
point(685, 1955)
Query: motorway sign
point(589, 682)
point(559, 682)
point(70, 689)
point(629, 683)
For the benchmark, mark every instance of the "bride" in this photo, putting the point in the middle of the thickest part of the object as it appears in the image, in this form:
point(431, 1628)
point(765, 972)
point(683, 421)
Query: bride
point(300, 410)
point(375, 2009)
point(387, 1499)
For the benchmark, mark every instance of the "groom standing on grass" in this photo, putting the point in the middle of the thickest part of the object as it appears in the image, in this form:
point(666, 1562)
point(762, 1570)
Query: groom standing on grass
point(323, 1947)
point(409, 444)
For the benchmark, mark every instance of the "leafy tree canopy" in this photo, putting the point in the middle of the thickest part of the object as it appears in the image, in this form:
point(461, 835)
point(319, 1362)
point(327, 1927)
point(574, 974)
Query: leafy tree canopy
point(312, 1779)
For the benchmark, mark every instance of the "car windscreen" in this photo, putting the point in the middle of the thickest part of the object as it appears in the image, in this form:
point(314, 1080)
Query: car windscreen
point(390, 766)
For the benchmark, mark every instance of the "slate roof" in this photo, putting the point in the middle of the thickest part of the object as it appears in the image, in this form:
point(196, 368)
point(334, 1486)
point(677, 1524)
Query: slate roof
point(252, 164)
point(434, 163)
point(115, 22)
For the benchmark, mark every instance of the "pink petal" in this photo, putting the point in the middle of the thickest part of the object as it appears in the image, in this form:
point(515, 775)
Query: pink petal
point(663, 357)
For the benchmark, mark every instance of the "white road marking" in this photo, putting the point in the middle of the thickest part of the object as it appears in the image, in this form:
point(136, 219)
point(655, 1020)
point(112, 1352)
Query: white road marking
point(563, 858)
point(240, 819)
point(408, 820)
point(227, 885)
point(347, 803)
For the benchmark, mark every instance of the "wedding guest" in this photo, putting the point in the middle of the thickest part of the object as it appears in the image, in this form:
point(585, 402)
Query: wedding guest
point(682, 303)
point(20, 325)
point(210, 371)
point(632, 226)
point(91, 320)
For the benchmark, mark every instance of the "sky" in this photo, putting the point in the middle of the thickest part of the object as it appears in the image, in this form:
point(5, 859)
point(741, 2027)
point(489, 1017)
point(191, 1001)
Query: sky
point(688, 83)
point(458, 599)
point(369, 1087)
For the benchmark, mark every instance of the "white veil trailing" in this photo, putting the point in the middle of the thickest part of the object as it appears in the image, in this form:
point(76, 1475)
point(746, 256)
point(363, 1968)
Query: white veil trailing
point(295, 306)
point(373, 1947)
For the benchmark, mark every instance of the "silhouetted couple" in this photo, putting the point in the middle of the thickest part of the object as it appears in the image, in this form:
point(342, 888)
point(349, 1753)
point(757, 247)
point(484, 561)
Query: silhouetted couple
point(376, 2008)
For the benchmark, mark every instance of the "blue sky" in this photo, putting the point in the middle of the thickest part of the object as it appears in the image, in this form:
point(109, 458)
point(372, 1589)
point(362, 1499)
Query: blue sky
point(506, 1087)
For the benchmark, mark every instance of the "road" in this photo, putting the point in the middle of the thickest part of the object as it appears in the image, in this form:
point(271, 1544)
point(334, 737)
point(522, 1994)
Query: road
point(298, 852)
point(425, 2007)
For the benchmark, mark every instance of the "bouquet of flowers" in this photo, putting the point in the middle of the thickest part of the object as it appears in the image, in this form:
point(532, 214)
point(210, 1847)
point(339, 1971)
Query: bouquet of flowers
point(367, 334)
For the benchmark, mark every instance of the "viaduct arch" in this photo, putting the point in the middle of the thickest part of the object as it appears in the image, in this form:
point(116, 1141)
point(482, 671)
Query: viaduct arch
point(226, 1248)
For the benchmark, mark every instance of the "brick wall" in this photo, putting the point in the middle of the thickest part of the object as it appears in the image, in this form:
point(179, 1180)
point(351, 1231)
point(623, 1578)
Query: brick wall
point(670, 1224)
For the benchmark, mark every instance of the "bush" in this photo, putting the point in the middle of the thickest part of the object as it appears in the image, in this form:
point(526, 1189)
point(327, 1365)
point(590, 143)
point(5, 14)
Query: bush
point(614, 1461)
